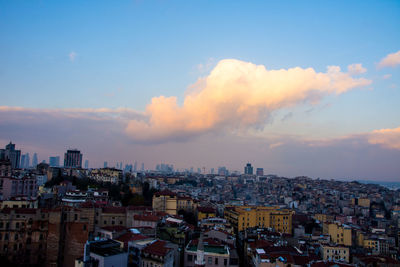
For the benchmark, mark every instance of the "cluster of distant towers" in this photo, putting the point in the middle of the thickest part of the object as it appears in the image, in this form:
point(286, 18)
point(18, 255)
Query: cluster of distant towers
point(248, 169)
point(72, 159)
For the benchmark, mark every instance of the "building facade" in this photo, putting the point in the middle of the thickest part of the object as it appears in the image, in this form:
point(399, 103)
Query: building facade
point(73, 159)
point(243, 217)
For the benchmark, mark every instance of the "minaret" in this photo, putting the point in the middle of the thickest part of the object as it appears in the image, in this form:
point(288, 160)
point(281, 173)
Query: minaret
point(200, 261)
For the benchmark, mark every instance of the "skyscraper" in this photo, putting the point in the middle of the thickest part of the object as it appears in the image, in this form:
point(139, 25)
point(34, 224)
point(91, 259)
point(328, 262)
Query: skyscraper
point(34, 160)
point(22, 163)
point(248, 169)
point(27, 160)
point(105, 164)
point(11, 154)
point(260, 172)
point(54, 161)
point(73, 159)
point(86, 164)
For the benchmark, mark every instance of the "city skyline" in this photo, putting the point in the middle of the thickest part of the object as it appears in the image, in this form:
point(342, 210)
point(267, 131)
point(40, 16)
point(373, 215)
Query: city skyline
point(295, 88)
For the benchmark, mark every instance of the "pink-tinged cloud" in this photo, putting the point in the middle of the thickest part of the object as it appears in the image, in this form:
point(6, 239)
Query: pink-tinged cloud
point(387, 76)
point(121, 114)
point(388, 138)
point(237, 95)
point(355, 69)
point(72, 56)
point(100, 135)
point(391, 60)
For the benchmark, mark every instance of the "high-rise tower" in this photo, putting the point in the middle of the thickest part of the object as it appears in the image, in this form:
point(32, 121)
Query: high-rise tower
point(73, 159)
point(248, 169)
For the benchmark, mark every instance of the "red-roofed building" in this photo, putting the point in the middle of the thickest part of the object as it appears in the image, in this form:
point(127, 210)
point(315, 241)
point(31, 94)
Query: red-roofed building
point(130, 237)
point(146, 221)
point(158, 254)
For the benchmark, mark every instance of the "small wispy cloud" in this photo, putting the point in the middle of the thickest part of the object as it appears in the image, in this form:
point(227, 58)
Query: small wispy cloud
point(391, 60)
point(287, 116)
point(72, 56)
point(387, 76)
point(275, 145)
point(356, 68)
point(205, 67)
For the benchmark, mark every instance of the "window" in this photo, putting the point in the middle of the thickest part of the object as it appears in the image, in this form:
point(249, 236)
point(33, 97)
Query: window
point(16, 237)
point(225, 262)
point(190, 257)
point(216, 261)
point(76, 217)
point(209, 260)
point(17, 225)
point(84, 227)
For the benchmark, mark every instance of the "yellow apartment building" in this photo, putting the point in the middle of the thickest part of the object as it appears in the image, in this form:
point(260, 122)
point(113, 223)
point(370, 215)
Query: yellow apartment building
point(243, 217)
point(363, 202)
point(339, 234)
point(171, 203)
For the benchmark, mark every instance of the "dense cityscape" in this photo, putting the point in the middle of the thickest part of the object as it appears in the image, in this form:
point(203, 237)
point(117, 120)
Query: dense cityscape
point(69, 215)
point(175, 133)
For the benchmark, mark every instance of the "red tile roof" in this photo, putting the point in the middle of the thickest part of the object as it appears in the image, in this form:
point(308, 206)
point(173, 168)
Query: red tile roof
point(206, 209)
point(165, 193)
point(145, 217)
point(19, 210)
point(114, 210)
point(157, 248)
point(140, 208)
point(114, 228)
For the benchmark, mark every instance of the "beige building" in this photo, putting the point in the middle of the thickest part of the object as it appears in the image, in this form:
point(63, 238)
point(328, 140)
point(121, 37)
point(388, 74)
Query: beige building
point(363, 202)
point(19, 202)
point(110, 175)
point(335, 253)
point(324, 217)
point(171, 203)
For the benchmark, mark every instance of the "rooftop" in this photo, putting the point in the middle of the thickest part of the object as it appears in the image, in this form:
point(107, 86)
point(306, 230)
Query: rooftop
point(105, 248)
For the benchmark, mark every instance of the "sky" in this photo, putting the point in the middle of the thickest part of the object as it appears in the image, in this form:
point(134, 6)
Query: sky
point(294, 87)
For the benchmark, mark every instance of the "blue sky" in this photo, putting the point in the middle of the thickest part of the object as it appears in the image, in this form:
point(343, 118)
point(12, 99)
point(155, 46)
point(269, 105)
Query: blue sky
point(102, 54)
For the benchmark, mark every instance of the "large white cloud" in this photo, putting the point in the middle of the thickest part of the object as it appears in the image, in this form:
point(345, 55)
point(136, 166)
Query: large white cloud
point(391, 60)
point(235, 96)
